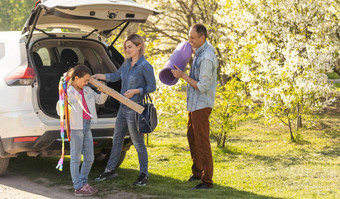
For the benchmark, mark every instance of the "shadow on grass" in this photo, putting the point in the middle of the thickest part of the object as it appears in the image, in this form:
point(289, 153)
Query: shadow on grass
point(331, 152)
point(160, 186)
point(229, 150)
point(234, 152)
point(166, 134)
point(167, 187)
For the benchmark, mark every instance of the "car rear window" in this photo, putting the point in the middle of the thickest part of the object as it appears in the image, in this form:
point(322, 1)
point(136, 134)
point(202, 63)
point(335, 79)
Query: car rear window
point(76, 50)
point(45, 56)
point(2, 50)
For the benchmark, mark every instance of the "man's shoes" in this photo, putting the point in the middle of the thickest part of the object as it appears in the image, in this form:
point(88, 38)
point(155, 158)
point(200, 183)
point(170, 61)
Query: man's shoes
point(201, 186)
point(193, 178)
point(106, 175)
point(142, 180)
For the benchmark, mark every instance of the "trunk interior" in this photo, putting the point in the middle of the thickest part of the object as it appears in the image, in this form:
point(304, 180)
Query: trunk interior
point(53, 57)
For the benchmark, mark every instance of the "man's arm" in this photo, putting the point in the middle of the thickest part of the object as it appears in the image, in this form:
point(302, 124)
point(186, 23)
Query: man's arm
point(180, 74)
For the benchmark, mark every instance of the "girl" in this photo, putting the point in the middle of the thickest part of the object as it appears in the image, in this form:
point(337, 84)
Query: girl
point(82, 100)
point(138, 79)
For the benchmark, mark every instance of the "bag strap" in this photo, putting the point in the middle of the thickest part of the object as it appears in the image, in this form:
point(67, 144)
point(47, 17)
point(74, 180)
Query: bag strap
point(146, 97)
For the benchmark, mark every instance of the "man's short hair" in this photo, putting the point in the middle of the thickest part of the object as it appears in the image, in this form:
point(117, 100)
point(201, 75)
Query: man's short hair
point(201, 30)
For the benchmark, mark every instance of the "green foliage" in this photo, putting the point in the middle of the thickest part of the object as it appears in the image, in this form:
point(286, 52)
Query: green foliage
point(232, 106)
point(333, 75)
point(172, 102)
point(13, 13)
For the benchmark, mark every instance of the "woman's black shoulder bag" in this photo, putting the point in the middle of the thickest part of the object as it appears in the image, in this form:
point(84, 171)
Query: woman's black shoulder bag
point(147, 121)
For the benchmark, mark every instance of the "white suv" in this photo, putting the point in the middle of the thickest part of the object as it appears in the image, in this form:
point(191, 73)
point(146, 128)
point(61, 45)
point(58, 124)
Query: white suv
point(32, 61)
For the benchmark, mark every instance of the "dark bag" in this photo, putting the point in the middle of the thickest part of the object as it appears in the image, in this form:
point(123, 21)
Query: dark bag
point(147, 121)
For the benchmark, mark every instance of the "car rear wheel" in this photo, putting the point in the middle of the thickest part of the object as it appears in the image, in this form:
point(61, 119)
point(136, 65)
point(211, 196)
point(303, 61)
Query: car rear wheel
point(104, 156)
point(3, 165)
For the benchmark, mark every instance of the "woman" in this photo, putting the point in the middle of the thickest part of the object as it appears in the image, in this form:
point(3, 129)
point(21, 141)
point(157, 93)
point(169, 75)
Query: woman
point(138, 79)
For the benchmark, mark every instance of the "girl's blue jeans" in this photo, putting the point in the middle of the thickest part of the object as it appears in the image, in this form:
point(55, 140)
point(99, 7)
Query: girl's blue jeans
point(125, 122)
point(81, 144)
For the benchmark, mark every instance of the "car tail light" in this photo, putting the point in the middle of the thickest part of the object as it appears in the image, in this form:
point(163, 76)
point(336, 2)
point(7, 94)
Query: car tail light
point(20, 76)
point(25, 139)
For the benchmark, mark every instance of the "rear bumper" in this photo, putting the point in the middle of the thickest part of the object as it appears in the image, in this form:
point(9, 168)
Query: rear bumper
point(50, 144)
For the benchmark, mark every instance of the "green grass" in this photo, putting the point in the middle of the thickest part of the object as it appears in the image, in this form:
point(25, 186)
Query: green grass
point(258, 162)
point(333, 75)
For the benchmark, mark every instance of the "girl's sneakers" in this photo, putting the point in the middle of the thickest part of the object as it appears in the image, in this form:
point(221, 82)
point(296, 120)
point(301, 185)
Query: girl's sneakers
point(92, 189)
point(86, 190)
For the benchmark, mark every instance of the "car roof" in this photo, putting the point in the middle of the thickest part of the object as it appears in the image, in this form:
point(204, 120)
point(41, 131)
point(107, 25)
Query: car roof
point(9, 35)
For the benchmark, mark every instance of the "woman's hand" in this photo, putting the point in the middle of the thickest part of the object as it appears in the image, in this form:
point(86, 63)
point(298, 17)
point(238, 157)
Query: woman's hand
point(131, 92)
point(99, 76)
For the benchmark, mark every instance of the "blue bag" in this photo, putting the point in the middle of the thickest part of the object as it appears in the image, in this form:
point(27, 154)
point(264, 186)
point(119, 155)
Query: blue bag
point(147, 121)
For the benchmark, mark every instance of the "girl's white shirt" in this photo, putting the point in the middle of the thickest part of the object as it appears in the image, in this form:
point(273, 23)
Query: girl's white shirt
point(76, 112)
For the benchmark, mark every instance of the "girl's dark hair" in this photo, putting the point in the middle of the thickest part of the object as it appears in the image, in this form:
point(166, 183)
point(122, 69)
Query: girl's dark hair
point(79, 71)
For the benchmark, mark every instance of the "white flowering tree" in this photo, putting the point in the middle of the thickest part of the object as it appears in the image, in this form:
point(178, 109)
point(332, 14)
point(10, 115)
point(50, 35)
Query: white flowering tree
point(283, 50)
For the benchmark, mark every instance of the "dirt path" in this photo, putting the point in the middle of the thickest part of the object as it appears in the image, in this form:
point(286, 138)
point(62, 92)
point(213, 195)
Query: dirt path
point(13, 186)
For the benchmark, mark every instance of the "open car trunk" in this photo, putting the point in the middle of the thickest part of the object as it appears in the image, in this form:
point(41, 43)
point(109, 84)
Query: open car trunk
point(54, 56)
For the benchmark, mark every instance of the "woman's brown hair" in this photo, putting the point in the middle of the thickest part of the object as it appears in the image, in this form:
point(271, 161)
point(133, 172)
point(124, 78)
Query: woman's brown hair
point(137, 40)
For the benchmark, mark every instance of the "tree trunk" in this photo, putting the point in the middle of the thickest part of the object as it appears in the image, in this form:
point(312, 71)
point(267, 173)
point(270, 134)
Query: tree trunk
point(224, 138)
point(337, 66)
point(299, 118)
point(299, 122)
point(336, 71)
point(291, 131)
point(219, 138)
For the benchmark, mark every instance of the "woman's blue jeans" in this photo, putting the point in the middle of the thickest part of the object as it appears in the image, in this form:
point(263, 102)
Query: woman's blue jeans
point(81, 143)
point(125, 122)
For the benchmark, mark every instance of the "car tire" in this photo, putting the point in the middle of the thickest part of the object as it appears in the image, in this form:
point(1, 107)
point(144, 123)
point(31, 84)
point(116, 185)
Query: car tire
point(3, 165)
point(104, 156)
point(121, 158)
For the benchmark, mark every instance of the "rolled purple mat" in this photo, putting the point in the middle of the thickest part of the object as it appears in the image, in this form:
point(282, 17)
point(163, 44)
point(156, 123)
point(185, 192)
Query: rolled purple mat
point(180, 57)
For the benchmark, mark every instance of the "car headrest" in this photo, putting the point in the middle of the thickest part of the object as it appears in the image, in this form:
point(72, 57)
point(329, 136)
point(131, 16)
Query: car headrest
point(68, 56)
point(37, 59)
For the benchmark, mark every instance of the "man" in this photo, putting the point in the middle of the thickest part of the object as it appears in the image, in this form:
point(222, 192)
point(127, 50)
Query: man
point(201, 91)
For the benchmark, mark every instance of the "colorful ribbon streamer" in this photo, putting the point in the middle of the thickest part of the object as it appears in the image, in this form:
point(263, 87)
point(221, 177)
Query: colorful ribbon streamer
point(62, 101)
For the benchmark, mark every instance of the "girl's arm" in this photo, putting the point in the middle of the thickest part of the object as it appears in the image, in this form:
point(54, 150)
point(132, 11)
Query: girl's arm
point(100, 98)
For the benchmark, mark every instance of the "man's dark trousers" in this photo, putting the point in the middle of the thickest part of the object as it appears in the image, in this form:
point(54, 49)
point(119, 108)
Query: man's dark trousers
point(199, 143)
